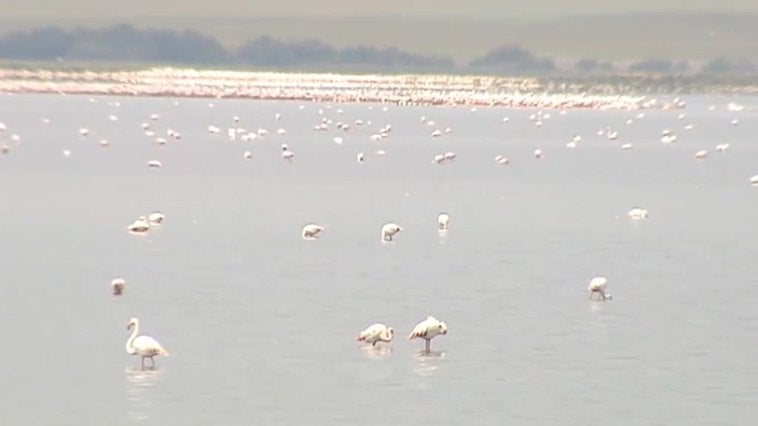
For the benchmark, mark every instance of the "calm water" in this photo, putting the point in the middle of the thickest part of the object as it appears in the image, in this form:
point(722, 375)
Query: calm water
point(261, 324)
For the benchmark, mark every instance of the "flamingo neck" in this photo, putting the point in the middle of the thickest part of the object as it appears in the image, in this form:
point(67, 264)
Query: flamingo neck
point(129, 348)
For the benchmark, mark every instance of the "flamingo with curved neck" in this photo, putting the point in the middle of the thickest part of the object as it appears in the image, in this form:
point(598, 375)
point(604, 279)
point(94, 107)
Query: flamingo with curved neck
point(144, 346)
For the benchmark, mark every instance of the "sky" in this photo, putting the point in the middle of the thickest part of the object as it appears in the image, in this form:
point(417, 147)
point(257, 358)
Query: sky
point(244, 8)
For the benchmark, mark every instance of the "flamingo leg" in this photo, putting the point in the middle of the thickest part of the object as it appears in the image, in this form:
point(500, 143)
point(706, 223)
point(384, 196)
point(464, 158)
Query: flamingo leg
point(152, 363)
point(142, 363)
point(428, 345)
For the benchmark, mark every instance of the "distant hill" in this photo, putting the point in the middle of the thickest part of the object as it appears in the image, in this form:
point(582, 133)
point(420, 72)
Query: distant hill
point(126, 44)
point(616, 37)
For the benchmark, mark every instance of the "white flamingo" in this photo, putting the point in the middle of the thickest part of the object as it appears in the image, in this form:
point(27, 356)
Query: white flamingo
point(156, 218)
point(598, 285)
point(754, 180)
point(389, 230)
point(118, 285)
point(139, 226)
point(144, 346)
point(376, 333)
point(311, 231)
point(637, 213)
point(427, 330)
point(443, 221)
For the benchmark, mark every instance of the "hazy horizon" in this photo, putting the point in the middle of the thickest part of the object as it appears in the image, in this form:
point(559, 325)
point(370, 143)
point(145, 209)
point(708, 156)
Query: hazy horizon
point(327, 8)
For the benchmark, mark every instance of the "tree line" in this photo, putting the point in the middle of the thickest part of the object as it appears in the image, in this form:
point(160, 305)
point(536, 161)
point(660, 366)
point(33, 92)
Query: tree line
point(125, 43)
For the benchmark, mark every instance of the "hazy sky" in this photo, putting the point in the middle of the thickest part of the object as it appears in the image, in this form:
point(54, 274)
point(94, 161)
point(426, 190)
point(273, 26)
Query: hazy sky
point(241, 8)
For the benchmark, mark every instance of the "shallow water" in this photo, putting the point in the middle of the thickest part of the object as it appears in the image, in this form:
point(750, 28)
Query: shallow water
point(261, 324)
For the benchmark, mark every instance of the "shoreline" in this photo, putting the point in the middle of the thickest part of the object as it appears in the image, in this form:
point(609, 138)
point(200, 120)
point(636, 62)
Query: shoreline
point(407, 89)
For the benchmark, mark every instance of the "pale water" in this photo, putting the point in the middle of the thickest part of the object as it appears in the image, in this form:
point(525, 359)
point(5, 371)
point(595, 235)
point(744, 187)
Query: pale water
point(260, 324)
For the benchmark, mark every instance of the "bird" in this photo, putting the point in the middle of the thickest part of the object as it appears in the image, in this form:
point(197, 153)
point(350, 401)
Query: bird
point(360, 157)
point(538, 153)
point(598, 285)
point(311, 231)
point(427, 330)
point(389, 230)
point(754, 180)
point(376, 333)
point(154, 164)
point(118, 285)
point(637, 213)
point(443, 220)
point(156, 218)
point(144, 346)
point(701, 154)
point(139, 226)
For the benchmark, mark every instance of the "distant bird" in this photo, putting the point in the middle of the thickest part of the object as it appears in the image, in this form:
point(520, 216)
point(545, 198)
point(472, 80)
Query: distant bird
point(701, 154)
point(637, 213)
point(754, 180)
point(154, 164)
point(437, 133)
point(499, 159)
point(376, 333)
point(598, 285)
point(360, 157)
point(156, 218)
point(427, 330)
point(118, 285)
point(139, 226)
point(389, 230)
point(443, 221)
point(144, 346)
point(626, 146)
point(538, 153)
point(450, 156)
point(722, 147)
point(248, 155)
point(288, 156)
point(311, 231)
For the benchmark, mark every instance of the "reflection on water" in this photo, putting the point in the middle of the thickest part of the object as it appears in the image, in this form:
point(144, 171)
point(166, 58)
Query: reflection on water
point(596, 305)
point(377, 352)
point(141, 387)
point(427, 363)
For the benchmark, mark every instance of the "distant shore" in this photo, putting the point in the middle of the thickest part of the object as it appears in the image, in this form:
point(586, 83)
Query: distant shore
point(409, 89)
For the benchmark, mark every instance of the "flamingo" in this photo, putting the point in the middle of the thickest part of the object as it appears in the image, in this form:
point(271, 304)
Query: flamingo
point(701, 154)
point(443, 220)
point(598, 285)
point(538, 153)
point(156, 218)
point(754, 180)
point(311, 231)
point(637, 213)
point(376, 333)
point(139, 226)
point(154, 164)
point(427, 330)
point(118, 286)
point(144, 346)
point(389, 230)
